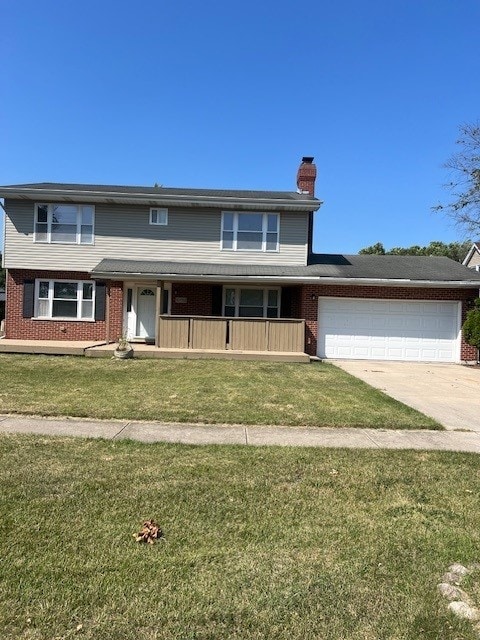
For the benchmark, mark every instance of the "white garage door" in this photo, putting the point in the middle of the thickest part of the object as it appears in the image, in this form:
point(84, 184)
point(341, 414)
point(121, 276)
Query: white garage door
point(388, 330)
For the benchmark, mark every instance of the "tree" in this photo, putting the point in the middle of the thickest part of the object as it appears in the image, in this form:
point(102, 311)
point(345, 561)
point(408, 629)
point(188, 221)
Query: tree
point(376, 249)
point(454, 250)
point(471, 326)
point(464, 185)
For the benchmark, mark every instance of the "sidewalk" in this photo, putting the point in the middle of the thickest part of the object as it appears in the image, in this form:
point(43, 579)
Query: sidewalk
point(244, 435)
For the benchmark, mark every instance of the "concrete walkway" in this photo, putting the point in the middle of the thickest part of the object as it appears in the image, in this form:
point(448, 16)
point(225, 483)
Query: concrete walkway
point(449, 393)
point(240, 435)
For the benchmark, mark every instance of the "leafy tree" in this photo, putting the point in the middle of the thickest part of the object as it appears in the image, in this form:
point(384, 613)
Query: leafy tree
point(464, 185)
point(376, 249)
point(454, 250)
point(471, 326)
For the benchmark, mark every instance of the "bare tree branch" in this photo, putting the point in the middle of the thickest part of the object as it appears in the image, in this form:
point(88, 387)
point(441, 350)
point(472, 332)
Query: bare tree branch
point(464, 184)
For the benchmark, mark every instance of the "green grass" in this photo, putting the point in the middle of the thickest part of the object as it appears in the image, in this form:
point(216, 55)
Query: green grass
point(287, 544)
point(206, 391)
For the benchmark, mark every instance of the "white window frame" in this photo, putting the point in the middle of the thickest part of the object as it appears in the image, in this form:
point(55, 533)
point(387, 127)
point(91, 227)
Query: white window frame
point(50, 209)
point(265, 300)
point(159, 210)
point(79, 300)
point(264, 232)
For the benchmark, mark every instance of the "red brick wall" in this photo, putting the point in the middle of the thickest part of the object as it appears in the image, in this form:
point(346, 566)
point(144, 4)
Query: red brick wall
point(309, 307)
point(114, 311)
point(19, 328)
point(198, 299)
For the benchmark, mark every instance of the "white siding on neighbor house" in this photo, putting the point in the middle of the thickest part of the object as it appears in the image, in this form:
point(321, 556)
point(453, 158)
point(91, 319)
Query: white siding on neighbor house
point(124, 232)
point(474, 261)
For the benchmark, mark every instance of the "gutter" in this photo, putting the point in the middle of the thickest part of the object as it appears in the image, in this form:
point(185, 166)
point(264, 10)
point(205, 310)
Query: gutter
point(273, 204)
point(319, 280)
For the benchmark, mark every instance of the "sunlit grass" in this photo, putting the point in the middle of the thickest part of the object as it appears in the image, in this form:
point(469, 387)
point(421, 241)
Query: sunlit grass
point(287, 544)
point(212, 391)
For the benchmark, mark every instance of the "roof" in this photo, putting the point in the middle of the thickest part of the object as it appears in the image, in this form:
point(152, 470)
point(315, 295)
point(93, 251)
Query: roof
point(474, 248)
point(327, 268)
point(109, 188)
point(55, 191)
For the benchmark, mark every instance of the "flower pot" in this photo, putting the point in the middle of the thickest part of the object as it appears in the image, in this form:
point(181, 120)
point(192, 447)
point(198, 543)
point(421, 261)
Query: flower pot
point(123, 354)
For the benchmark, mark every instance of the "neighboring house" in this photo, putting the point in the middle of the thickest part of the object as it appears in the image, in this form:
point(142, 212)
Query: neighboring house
point(219, 269)
point(472, 259)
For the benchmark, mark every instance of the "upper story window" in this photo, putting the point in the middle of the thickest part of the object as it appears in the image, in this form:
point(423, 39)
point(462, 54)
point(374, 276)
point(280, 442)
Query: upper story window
point(250, 231)
point(64, 223)
point(159, 216)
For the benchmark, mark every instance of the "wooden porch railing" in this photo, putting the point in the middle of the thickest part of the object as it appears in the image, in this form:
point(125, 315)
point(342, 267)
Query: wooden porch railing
point(238, 334)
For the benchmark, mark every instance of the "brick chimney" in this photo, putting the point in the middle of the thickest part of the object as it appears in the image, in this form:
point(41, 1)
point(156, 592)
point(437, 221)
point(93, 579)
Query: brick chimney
point(306, 174)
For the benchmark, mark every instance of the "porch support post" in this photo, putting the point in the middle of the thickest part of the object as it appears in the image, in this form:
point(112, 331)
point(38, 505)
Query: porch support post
point(158, 308)
point(107, 315)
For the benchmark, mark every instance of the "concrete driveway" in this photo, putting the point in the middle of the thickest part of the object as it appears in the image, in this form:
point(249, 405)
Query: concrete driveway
point(450, 393)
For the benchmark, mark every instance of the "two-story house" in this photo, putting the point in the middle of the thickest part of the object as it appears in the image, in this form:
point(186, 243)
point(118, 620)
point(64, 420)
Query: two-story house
point(225, 270)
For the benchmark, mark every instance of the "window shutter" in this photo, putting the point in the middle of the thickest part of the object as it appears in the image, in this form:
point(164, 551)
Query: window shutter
point(28, 298)
point(217, 299)
point(100, 300)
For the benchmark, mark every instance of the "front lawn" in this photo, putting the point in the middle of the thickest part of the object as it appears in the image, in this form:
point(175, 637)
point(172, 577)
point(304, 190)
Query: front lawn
point(210, 391)
point(260, 543)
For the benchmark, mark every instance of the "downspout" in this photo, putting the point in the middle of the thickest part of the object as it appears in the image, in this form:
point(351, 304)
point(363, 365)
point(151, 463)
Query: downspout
point(310, 237)
point(4, 321)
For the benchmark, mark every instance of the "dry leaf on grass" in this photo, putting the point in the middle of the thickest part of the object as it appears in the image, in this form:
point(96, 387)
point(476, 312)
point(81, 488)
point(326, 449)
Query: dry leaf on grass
point(149, 532)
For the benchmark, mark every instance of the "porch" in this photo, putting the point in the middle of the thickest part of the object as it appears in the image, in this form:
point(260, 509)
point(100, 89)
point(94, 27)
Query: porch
point(193, 337)
point(97, 349)
point(278, 339)
point(284, 335)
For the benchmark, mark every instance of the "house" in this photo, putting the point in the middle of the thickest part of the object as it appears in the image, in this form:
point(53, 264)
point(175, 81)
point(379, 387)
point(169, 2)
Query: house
point(223, 270)
point(472, 259)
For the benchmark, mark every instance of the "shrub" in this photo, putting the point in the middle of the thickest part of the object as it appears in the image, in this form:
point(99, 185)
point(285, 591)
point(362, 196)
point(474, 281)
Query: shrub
point(471, 326)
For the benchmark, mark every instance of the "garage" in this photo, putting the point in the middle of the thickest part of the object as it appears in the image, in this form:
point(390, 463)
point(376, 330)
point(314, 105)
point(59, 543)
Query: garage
point(370, 329)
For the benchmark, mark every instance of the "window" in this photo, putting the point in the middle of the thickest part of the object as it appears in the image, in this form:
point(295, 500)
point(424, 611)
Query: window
point(159, 216)
point(64, 223)
point(65, 299)
point(249, 302)
point(250, 231)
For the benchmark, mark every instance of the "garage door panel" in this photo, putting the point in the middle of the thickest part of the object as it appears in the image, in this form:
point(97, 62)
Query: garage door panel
point(388, 329)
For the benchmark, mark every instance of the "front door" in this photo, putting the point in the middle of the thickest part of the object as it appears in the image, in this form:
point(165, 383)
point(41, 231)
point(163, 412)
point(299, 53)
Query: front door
point(145, 326)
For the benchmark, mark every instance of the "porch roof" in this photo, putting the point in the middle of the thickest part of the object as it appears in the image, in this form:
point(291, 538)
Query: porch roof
point(322, 269)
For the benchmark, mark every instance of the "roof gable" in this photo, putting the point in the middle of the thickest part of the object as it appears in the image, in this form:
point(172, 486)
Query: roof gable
point(475, 248)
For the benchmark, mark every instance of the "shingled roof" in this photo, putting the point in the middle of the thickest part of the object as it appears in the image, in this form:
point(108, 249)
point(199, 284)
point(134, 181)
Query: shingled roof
point(168, 196)
point(324, 267)
point(172, 191)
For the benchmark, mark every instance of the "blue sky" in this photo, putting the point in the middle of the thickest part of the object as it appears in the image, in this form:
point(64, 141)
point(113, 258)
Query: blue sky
point(232, 95)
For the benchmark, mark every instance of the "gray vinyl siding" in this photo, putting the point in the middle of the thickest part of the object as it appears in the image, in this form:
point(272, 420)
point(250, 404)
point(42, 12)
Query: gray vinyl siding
point(123, 231)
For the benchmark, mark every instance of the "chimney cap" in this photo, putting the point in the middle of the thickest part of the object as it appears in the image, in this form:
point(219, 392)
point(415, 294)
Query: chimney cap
point(307, 159)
